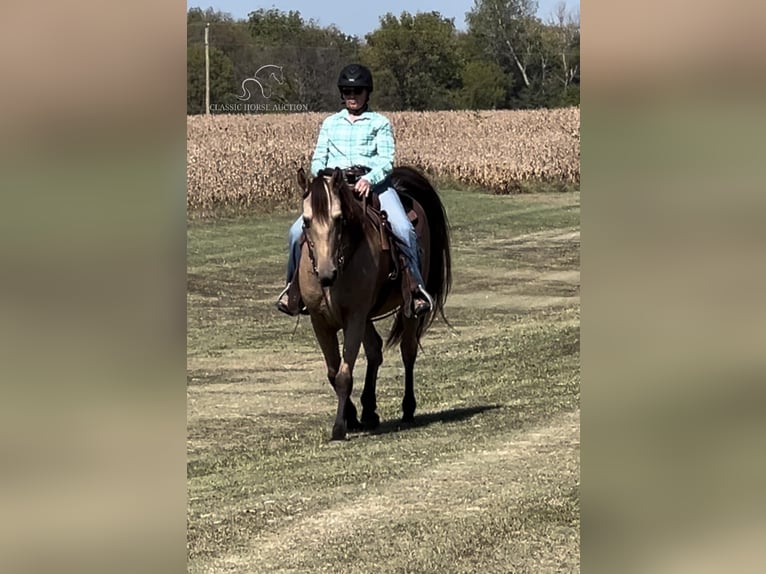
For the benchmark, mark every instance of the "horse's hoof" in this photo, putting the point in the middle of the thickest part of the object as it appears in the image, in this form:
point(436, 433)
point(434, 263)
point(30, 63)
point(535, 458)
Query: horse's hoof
point(371, 422)
point(353, 425)
point(338, 433)
point(408, 419)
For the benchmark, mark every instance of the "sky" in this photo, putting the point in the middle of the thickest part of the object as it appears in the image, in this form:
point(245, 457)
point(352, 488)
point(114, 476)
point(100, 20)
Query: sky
point(364, 18)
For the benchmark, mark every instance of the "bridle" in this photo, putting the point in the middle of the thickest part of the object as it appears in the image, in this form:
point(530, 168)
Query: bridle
point(349, 177)
point(339, 254)
point(340, 246)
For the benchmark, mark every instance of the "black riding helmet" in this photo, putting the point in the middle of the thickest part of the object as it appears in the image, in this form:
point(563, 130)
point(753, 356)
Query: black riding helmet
point(355, 75)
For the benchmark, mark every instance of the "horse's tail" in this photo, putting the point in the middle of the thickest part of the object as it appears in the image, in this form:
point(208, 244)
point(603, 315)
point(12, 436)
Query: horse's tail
point(409, 181)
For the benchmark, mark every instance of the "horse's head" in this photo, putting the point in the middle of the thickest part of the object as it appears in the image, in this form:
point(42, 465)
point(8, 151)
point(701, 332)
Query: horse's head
point(332, 218)
point(278, 75)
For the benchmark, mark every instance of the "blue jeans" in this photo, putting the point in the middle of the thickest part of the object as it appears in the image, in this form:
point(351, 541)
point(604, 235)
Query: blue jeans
point(400, 225)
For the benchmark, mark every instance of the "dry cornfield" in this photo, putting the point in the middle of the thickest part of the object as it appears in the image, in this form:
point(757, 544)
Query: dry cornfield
point(249, 161)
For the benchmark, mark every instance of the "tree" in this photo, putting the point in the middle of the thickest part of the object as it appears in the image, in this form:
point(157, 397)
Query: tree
point(506, 58)
point(565, 38)
point(274, 27)
point(315, 64)
point(485, 86)
point(221, 78)
point(310, 56)
point(543, 59)
point(227, 37)
point(415, 60)
point(508, 29)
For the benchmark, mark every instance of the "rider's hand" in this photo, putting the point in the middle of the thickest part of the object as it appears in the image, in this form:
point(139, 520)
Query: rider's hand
point(362, 187)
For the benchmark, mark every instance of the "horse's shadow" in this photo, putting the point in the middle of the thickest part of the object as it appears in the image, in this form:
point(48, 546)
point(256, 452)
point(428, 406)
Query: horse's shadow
point(426, 419)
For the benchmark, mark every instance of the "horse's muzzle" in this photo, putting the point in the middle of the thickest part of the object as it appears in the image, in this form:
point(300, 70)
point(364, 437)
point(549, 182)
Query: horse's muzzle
point(327, 279)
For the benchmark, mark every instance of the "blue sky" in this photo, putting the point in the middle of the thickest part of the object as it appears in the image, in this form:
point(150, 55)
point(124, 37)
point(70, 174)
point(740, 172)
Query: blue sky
point(363, 18)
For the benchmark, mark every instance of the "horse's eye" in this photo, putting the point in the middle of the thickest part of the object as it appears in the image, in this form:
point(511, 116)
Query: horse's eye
point(306, 222)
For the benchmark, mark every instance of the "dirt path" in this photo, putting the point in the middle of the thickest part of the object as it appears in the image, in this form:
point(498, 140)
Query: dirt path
point(487, 482)
point(480, 501)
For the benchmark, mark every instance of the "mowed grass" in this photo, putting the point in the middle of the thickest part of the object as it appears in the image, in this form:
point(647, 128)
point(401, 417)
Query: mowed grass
point(486, 480)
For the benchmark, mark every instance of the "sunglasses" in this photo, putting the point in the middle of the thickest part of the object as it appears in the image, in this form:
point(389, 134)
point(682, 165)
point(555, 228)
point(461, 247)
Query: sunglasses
point(352, 91)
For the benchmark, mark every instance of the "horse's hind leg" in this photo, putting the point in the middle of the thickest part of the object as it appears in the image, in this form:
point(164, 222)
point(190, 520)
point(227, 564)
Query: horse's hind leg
point(373, 349)
point(409, 349)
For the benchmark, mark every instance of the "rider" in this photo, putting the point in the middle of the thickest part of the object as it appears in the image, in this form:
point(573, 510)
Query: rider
point(358, 136)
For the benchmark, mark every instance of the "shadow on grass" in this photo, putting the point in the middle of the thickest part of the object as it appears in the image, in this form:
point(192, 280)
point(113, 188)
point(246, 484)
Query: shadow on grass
point(424, 420)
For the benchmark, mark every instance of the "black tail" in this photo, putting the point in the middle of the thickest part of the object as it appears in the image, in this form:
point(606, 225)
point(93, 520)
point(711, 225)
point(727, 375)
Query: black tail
point(409, 181)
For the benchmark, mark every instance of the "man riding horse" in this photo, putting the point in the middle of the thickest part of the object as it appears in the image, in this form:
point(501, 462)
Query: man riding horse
point(354, 137)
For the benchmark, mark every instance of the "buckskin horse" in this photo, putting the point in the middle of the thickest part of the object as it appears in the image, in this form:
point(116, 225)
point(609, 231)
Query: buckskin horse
point(348, 279)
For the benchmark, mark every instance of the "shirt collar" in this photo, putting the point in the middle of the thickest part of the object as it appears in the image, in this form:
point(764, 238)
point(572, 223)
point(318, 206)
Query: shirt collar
point(365, 114)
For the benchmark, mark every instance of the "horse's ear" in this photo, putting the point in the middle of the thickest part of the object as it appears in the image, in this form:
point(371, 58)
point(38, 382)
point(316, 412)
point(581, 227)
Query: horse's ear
point(303, 182)
point(337, 177)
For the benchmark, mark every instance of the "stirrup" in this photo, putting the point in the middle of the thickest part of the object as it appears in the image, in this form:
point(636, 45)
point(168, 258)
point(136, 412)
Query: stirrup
point(281, 306)
point(422, 310)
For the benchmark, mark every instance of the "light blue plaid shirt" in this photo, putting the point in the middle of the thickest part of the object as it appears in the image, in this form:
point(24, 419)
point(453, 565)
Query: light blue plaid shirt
point(368, 141)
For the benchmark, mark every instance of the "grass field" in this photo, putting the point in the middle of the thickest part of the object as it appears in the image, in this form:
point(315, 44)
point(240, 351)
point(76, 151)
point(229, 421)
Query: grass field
point(486, 480)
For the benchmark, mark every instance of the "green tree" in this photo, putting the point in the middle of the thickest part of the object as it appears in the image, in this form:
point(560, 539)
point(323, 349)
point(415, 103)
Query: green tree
point(506, 58)
point(542, 59)
point(274, 27)
point(415, 60)
point(222, 84)
point(514, 38)
point(227, 36)
point(310, 56)
point(485, 86)
point(507, 30)
point(564, 40)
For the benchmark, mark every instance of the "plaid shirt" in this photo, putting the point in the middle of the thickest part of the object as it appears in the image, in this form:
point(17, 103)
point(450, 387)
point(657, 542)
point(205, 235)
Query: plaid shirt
point(368, 141)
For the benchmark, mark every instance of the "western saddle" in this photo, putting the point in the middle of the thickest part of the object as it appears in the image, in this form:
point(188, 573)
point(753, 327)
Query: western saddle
point(388, 242)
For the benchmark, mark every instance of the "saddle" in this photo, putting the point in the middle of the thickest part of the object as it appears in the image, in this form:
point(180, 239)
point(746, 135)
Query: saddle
point(389, 243)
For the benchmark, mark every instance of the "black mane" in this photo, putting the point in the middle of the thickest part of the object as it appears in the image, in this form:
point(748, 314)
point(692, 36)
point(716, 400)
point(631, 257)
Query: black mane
point(352, 209)
point(320, 207)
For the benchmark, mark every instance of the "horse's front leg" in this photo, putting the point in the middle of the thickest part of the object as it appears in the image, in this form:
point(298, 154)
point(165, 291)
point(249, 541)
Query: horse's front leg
point(327, 337)
point(344, 380)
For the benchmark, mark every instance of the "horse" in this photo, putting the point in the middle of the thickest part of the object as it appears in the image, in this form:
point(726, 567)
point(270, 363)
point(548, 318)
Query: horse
point(345, 282)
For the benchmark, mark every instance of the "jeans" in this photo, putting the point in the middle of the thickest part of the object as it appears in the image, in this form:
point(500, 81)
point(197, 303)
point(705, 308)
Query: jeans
point(400, 225)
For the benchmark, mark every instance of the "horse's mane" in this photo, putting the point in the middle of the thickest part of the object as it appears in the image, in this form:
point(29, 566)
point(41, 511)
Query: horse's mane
point(351, 207)
point(320, 206)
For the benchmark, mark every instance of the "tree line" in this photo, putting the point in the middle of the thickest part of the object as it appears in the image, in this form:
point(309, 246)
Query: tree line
point(507, 58)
